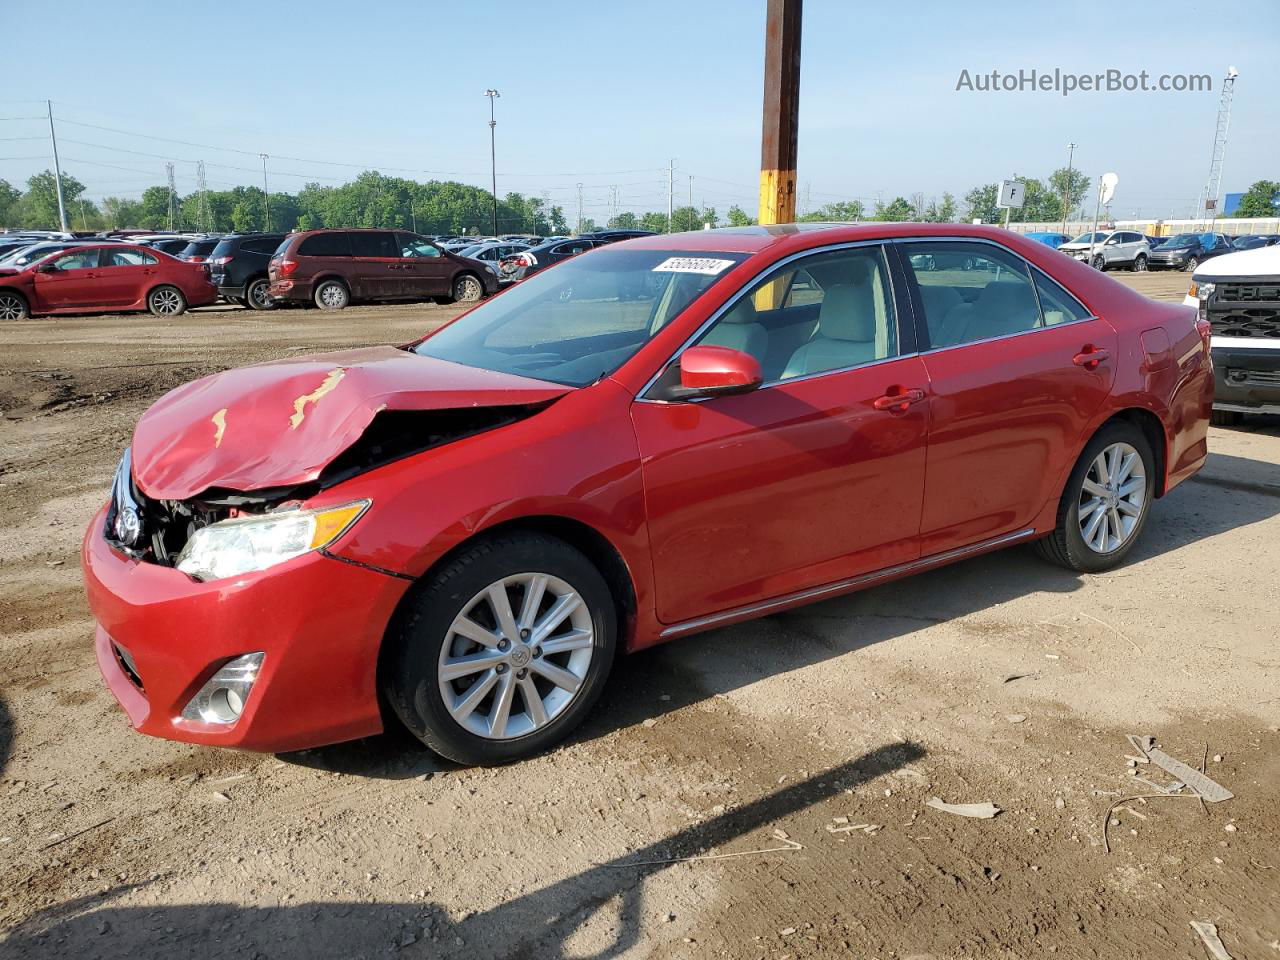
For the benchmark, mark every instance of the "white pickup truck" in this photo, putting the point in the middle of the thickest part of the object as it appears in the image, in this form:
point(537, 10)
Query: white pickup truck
point(1239, 294)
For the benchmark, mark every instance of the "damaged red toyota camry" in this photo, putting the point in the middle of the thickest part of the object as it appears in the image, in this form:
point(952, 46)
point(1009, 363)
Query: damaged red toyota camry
point(653, 439)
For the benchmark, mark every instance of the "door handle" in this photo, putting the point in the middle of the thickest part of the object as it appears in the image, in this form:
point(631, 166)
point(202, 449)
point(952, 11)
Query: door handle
point(1090, 357)
point(898, 400)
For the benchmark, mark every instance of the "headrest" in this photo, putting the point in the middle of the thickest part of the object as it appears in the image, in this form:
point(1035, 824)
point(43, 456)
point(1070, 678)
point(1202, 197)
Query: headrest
point(848, 312)
point(743, 312)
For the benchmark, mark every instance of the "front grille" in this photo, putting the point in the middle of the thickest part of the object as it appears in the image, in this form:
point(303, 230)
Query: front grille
point(1248, 378)
point(1256, 323)
point(1248, 292)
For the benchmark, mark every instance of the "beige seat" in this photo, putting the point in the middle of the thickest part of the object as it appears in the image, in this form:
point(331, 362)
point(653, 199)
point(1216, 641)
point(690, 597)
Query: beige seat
point(847, 330)
point(739, 329)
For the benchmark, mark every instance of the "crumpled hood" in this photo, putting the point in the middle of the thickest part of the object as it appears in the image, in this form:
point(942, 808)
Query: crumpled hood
point(278, 424)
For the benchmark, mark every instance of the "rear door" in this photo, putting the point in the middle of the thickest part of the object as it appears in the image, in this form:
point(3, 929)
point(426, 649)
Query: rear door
point(424, 270)
point(126, 273)
point(376, 265)
point(69, 281)
point(1017, 367)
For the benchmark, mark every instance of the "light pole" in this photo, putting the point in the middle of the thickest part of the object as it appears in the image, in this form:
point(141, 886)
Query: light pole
point(493, 156)
point(1066, 190)
point(266, 194)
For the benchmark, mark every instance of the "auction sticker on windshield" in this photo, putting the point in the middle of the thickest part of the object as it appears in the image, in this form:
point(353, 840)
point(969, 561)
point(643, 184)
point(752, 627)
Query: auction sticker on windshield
point(705, 265)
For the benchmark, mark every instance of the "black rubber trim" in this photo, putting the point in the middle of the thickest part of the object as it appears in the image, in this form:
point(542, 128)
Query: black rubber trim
point(367, 566)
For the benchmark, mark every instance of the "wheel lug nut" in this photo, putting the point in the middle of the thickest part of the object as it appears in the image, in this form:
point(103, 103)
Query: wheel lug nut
point(521, 674)
point(504, 644)
point(537, 651)
point(524, 634)
point(501, 668)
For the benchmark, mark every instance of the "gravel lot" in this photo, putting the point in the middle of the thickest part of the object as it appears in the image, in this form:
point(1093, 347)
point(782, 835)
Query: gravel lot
point(999, 679)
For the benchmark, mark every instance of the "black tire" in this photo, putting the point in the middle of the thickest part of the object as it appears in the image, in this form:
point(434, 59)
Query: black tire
point(1191, 264)
point(1066, 546)
point(1100, 262)
point(13, 306)
point(467, 288)
point(1226, 418)
point(411, 663)
point(332, 295)
point(256, 296)
point(1140, 263)
point(166, 301)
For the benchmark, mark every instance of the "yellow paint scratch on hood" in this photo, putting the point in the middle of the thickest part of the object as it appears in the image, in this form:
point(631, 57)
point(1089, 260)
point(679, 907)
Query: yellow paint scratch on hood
point(300, 405)
point(219, 426)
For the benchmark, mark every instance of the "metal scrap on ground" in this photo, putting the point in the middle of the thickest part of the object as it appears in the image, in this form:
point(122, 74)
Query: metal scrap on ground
point(979, 811)
point(1208, 789)
point(1213, 943)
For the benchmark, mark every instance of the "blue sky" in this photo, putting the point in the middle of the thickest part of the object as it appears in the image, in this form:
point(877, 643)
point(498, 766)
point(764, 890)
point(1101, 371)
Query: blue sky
point(604, 94)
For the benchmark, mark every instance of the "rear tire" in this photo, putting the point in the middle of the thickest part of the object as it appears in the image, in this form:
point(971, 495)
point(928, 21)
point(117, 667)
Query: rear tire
point(1068, 546)
point(332, 295)
point(467, 289)
point(1226, 418)
point(256, 295)
point(1191, 264)
point(13, 306)
point(166, 301)
point(1140, 263)
point(448, 713)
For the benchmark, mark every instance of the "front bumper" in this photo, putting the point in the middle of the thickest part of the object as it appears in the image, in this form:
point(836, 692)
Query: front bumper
point(1246, 378)
point(319, 621)
point(1156, 261)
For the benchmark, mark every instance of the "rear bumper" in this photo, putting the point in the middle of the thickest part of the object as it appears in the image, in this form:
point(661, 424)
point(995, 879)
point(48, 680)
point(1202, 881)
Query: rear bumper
point(318, 621)
point(1247, 379)
point(296, 291)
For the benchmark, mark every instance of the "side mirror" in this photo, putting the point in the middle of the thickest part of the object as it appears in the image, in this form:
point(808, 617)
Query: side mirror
point(712, 371)
point(1111, 241)
point(48, 268)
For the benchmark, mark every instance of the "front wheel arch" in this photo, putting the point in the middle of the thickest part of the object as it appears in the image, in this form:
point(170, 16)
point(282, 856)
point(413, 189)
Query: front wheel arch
point(21, 298)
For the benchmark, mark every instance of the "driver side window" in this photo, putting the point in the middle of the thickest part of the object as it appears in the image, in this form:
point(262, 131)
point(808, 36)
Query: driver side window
point(412, 247)
point(80, 260)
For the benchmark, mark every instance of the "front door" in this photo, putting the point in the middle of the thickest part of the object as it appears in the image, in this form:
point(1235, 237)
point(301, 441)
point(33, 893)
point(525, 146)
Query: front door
point(814, 477)
point(424, 270)
point(68, 281)
point(1017, 368)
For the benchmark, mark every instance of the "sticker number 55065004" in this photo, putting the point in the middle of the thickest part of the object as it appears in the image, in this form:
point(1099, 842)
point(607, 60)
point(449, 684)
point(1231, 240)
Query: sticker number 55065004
point(704, 265)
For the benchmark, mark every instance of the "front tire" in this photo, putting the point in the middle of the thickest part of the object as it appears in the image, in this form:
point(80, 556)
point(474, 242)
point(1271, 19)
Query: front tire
point(166, 302)
point(1100, 263)
point(1226, 418)
point(13, 306)
point(501, 653)
point(467, 289)
point(332, 295)
point(257, 295)
point(1106, 502)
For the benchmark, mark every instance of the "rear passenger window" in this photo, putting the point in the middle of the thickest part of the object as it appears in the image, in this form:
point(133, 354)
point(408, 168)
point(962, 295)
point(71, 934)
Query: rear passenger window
point(126, 258)
point(326, 245)
point(1056, 305)
point(972, 292)
point(374, 245)
point(260, 246)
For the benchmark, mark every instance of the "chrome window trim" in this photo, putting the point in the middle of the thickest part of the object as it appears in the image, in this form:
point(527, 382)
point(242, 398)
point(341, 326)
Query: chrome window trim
point(641, 395)
point(1035, 290)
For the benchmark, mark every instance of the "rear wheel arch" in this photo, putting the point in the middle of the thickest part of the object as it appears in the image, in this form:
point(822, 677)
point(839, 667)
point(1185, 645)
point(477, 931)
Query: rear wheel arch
point(1154, 431)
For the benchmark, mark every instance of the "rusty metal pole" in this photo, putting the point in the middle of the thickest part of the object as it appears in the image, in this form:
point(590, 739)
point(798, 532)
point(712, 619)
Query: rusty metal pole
point(778, 140)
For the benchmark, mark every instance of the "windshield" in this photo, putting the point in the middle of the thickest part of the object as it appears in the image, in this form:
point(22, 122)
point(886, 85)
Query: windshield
point(581, 320)
point(1091, 238)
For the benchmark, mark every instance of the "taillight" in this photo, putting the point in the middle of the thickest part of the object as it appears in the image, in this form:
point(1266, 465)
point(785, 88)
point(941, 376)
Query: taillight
point(286, 267)
point(220, 261)
point(1206, 332)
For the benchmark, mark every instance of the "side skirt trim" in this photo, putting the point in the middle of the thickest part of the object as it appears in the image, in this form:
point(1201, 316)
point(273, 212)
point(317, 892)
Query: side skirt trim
point(843, 586)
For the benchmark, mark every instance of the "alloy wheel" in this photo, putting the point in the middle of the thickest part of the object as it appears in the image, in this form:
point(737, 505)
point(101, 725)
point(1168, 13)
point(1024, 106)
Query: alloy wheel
point(1112, 498)
point(1140, 265)
point(11, 308)
point(166, 302)
point(469, 289)
point(259, 296)
point(516, 656)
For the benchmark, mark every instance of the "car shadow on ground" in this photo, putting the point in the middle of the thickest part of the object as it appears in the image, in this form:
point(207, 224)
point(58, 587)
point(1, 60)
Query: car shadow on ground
point(538, 924)
point(1230, 492)
point(6, 735)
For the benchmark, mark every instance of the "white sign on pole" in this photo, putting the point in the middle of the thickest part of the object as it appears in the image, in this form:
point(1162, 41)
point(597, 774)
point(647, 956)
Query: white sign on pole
point(1109, 181)
point(1012, 193)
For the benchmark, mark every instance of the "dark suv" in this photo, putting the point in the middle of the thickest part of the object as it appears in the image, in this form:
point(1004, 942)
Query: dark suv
point(1186, 251)
point(238, 268)
point(331, 268)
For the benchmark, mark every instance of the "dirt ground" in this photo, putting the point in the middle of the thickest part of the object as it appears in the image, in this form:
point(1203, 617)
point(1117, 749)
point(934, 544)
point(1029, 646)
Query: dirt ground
point(998, 679)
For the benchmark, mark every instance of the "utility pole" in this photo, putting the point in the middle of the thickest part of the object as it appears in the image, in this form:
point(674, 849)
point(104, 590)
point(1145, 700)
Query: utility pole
point(691, 207)
point(1066, 188)
point(493, 156)
point(578, 228)
point(173, 197)
point(202, 189)
point(266, 195)
point(671, 186)
point(57, 171)
point(779, 141)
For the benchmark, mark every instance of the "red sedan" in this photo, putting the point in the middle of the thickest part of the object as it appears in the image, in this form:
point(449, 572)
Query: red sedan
point(104, 279)
point(646, 441)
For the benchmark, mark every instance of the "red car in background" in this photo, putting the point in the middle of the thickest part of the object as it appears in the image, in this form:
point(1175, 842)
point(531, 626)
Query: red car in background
point(660, 437)
point(104, 279)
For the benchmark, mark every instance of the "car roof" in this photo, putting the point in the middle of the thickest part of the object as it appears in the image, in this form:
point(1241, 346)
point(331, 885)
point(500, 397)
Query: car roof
point(803, 236)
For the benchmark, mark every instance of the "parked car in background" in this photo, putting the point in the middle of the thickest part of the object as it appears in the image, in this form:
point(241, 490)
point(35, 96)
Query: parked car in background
point(331, 268)
point(650, 440)
point(238, 268)
point(170, 245)
point(1254, 241)
point(1107, 249)
point(1239, 295)
point(197, 251)
point(1186, 251)
point(492, 253)
point(32, 252)
point(100, 278)
point(1054, 240)
point(534, 260)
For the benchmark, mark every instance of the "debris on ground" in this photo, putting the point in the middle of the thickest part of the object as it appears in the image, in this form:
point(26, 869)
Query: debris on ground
point(1212, 942)
point(978, 811)
point(1015, 718)
point(1211, 791)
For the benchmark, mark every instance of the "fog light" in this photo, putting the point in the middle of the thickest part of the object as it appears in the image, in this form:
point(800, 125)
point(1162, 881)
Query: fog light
point(222, 699)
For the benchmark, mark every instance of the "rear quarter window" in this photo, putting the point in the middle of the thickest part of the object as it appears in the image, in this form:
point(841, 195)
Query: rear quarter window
point(325, 245)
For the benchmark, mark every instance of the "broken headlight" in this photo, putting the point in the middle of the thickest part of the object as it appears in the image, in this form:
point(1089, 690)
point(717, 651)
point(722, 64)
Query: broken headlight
point(124, 519)
point(241, 545)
